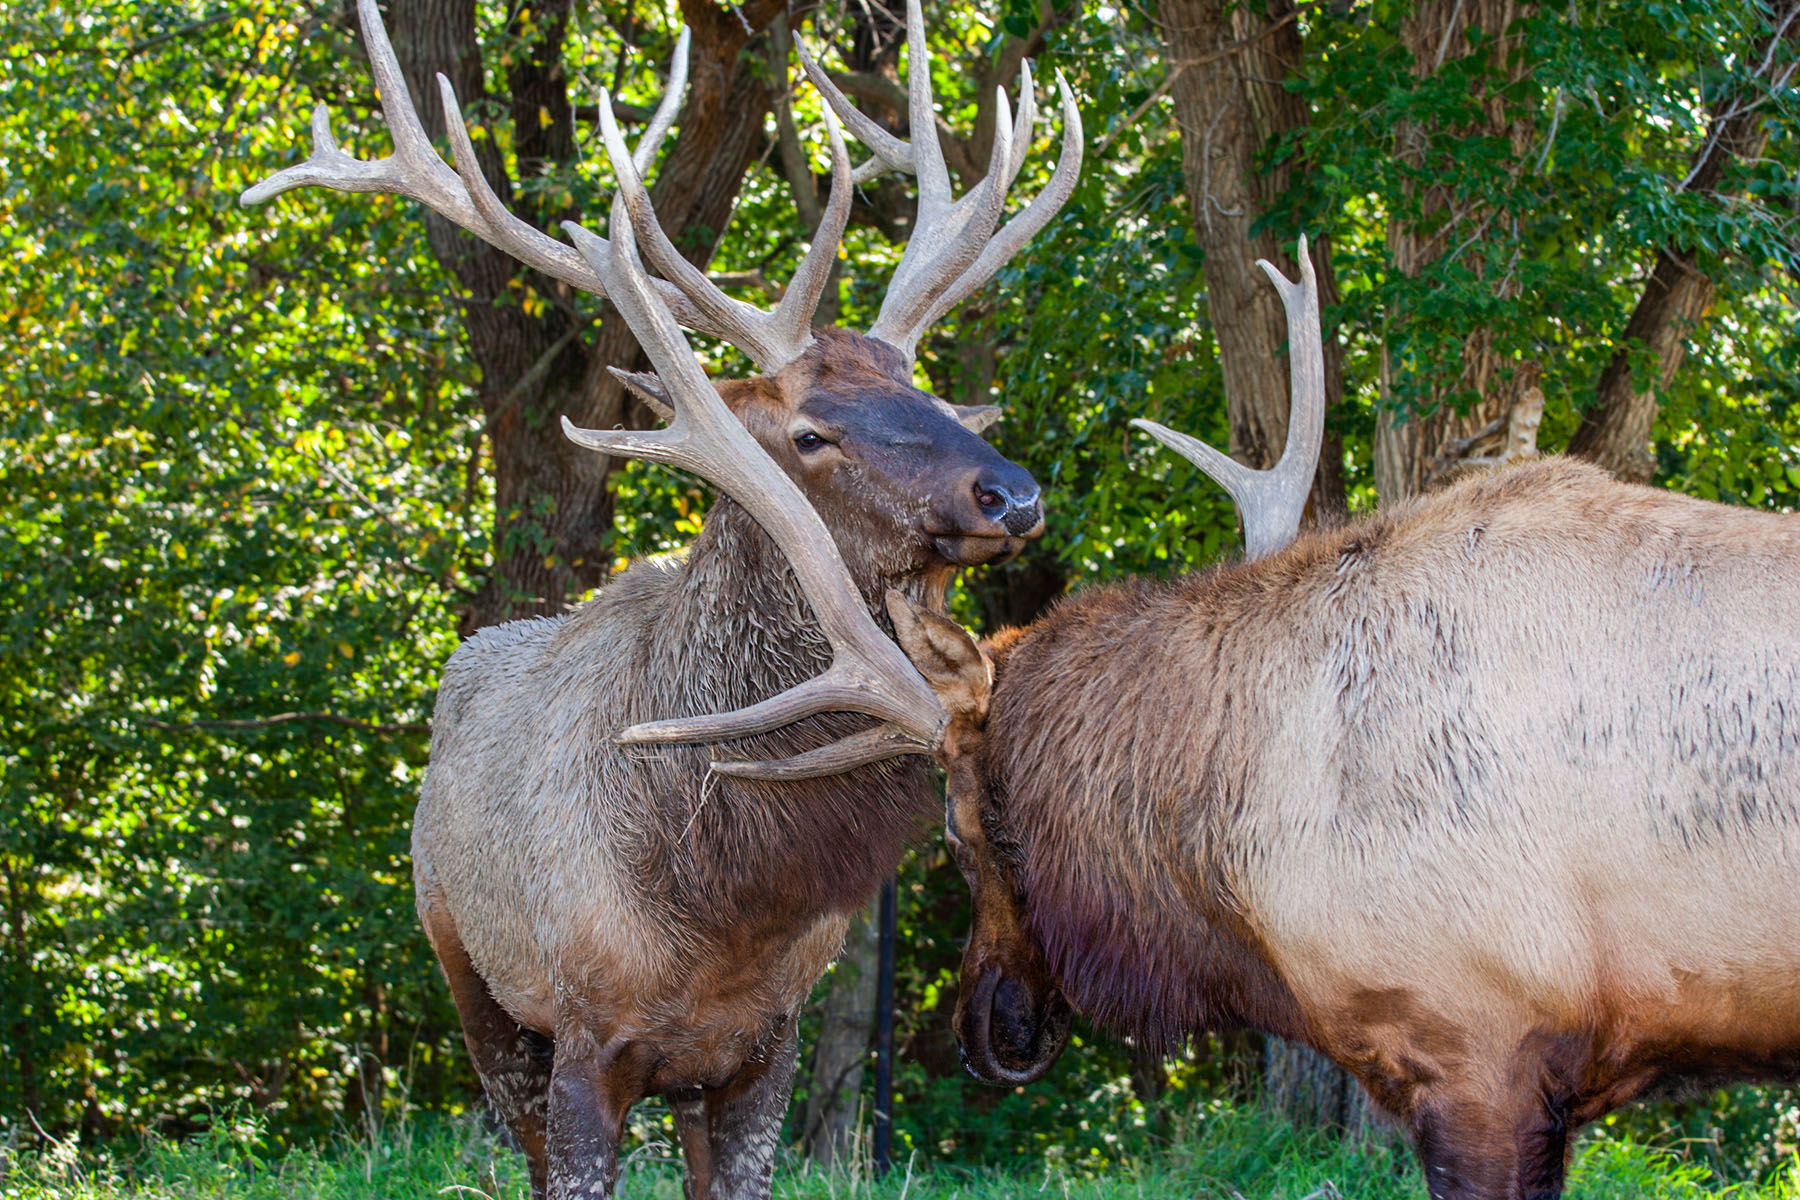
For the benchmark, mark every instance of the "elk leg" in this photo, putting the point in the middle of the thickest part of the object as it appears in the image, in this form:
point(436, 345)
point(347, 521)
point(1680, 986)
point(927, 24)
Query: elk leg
point(689, 1108)
point(512, 1061)
point(1468, 1150)
point(592, 1086)
point(1544, 1153)
point(736, 1158)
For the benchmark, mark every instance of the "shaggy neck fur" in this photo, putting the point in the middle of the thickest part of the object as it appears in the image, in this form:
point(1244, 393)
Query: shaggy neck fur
point(1094, 779)
point(728, 626)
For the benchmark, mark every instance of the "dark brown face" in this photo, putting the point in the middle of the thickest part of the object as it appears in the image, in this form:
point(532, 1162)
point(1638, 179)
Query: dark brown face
point(900, 482)
point(1011, 1019)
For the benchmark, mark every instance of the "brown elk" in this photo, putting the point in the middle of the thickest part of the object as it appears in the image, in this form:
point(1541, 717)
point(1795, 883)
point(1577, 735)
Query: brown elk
point(617, 922)
point(1493, 798)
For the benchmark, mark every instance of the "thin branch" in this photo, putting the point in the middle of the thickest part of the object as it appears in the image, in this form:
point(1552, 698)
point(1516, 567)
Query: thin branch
point(533, 376)
point(755, 279)
point(794, 164)
point(1721, 123)
point(1444, 42)
point(1556, 116)
point(289, 718)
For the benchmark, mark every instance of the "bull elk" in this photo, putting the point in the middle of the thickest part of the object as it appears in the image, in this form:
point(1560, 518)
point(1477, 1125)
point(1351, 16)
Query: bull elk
point(1493, 798)
point(617, 922)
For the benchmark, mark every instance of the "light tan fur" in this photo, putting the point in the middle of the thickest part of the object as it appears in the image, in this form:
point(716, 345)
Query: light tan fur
point(1494, 798)
point(1557, 785)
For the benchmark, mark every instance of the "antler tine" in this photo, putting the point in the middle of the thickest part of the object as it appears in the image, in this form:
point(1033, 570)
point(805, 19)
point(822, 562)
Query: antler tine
point(943, 245)
point(462, 194)
point(1012, 236)
point(1273, 501)
point(1024, 122)
point(794, 312)
point(414, 169)
point(664, 116)
point(733, 316)
point(869, 673)
point(954, 248)
point(921, 118)
point(891, 154)
point(771, 339)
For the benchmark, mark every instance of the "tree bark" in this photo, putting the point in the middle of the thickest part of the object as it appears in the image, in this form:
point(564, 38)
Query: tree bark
point(1228, 69)
point(834, 1095)
point(553, 511)
point(1615, 432)
point(1313, 1092)
point(1414, 448)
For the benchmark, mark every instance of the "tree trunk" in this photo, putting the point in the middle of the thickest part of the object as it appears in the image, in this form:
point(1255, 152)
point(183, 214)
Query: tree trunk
point(23, 992)
point(834, 1096)
point(1228, 68)
point(1615, 432)
point(1313, 1092)
point(1417, 449)
point(553, 511)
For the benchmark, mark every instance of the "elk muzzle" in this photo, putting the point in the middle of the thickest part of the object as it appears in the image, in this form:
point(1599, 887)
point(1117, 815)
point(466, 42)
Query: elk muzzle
point(991, 516)
point(1011, 1019)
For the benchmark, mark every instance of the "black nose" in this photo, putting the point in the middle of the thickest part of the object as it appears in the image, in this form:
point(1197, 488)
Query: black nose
point(1011, 498)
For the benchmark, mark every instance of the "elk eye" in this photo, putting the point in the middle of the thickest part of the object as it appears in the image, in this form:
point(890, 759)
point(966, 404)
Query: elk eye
point(809, 441)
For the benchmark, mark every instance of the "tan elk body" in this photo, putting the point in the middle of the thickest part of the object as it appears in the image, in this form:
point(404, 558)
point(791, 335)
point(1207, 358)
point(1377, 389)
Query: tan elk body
point(1494, 794)
point(617, 913)
point(1493, 798)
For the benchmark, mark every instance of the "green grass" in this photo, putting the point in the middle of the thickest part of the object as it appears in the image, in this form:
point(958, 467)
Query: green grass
point(1217, 1154)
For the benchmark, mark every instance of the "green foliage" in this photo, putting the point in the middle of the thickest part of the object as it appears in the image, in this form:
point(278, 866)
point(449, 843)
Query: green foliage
point(246, 500)
point(236, 491)
point(1545, 242)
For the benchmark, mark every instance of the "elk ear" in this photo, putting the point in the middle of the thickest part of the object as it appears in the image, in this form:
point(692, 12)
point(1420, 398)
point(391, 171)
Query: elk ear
point(976, 418)
point(649, 389)
point(946, 656)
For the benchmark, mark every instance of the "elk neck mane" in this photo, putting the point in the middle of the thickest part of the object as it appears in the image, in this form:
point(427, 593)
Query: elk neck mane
point(723, 625)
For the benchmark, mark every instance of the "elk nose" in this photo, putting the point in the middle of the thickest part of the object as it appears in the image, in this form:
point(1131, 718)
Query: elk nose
point(1012, 499)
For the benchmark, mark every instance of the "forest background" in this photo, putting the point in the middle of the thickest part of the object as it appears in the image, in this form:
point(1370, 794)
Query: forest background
point(260, 469)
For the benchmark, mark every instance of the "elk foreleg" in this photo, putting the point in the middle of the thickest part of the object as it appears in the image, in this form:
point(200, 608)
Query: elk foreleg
point(512, 1061)
point(728, 1134)
point(1544, 1153)
point(1471, 1150)
point(593, 1084)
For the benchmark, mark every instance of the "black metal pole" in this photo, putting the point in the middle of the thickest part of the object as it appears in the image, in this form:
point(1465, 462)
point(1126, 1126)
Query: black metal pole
point(884, 1035)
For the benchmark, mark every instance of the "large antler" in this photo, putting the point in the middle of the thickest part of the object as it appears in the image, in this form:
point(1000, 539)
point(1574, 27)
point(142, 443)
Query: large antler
point(463, 196)
point(771, 339)
point(954, 248)
point(869, 673)
point(952, 252)
point(1272, 501)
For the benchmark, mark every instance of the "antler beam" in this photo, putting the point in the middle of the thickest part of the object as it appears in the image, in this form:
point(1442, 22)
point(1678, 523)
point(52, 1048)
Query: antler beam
point(461, 195)
point(869, 673)
point(1273, 501)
